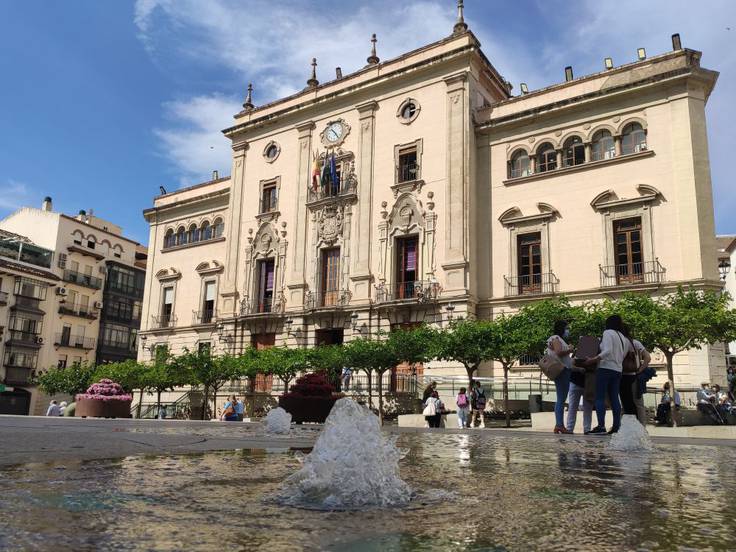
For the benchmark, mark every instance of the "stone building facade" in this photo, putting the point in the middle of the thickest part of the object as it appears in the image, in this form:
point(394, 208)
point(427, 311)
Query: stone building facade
point(443, 196)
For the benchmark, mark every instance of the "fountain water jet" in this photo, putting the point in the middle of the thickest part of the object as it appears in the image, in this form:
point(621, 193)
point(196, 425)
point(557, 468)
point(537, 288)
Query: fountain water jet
point(632, 436)
point(278, 420)
point(352, 466)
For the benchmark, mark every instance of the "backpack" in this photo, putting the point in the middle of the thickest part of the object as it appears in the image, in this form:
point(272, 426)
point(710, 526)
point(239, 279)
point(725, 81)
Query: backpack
point(462, 400)
point(480, 398)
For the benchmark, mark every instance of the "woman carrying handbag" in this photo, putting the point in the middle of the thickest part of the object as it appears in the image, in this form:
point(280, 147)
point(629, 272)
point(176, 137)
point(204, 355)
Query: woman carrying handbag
point(558, 347)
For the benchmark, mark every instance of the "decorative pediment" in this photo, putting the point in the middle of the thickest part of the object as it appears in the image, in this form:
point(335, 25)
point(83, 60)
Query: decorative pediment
point(168, 274)
point(609, 200)
point(212, 267)
point(405, 215)
point(265, 242)
point(514, 216)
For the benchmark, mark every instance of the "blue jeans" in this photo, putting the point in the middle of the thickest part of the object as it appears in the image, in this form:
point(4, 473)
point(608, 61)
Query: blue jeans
point(562, 386)
point(607, 383)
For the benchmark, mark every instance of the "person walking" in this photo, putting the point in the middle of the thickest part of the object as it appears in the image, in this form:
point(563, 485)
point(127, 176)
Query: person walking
point(433, 410)
point(53, 409)
point(463, 408)
point(632, 399)
point(477, 404)
point(239, 408)
point(557, 346)
point(731, 379)
point(610, 359)
point(229, 412)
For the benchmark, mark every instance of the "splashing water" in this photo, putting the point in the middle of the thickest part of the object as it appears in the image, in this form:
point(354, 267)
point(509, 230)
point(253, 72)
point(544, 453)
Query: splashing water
point(631, 437)
point(278, 420)
point(352, 466)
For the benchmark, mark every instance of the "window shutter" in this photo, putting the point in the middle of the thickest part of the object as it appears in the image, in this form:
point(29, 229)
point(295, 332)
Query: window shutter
point(62, 260)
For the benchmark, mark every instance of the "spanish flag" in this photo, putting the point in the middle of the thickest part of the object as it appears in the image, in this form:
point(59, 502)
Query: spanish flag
point(315, 171)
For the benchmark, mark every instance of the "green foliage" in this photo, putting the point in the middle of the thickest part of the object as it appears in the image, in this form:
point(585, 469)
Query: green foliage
point(129, 374)
point(421, 344)
point(70, 380)
point(202, 368)
point(327, 358)
point(469, 342)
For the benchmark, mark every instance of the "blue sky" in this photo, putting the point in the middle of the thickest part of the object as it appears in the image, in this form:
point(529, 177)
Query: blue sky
point(103, 101)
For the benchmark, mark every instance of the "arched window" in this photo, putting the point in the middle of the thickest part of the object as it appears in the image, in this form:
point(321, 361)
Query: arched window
point(218, 228)
point(546, 158)
point(193, 236)
point(169, 240)
point(633, 139)
point(181, 236)
point(603, 146)
point(573, 151)
point(206, 231)
point(519, 165)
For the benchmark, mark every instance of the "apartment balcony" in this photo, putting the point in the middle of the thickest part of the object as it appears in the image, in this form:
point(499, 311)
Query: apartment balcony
point(348, 190)
point(162, 321)
point(18, 375)
point(80, 312)
point(27, 304)
point(422, 291)
point(74, 341)
point(206, 316)
point(85, 280)
point(122, 318)
point(327, 299)
point(264, 307)
point(632, 274)
point(531, 284)
point(24, 339)
point(3, 297)
point(121, 348)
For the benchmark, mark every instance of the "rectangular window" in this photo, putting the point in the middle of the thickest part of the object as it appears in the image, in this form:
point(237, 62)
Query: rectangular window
point(269, 201)
point(167, 307)
point(408, 167)
point(530, 263)
point(204, 347)
point(61, 363)
point(74, 266)
point(62, 260)
point(28, 287)
point(627, 243)
point(66, 334)
point(84, 303)
point(265, 285)
point(406, 267)
point(71, 299)
point(208, 307)
point(330, 276)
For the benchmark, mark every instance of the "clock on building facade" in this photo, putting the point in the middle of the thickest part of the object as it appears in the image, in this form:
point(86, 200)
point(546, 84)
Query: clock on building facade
point(334, 133)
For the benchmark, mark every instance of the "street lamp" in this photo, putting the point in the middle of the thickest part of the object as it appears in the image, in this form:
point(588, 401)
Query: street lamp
point(450, 308)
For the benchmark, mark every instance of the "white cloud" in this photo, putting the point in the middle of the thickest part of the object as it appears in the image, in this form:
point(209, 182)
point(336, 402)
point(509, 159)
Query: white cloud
point(13, 195)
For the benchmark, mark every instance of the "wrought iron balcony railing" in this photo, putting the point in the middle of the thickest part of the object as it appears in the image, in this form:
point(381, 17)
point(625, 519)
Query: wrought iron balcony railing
point(82, 279)
point(18, 375)
point(31, 339)
point(408, 172)
point(75, 341)
point(326, 299)
point(346, 188)
point(263, 306)
point(206, 316)
point(420, 291)
point(81, 312)
point(28, 303)
point(163, 321)
point(648, 272)
point(531, 284)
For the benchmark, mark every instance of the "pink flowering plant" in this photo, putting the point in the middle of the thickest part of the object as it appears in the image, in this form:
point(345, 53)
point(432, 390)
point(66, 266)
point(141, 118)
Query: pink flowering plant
point(105, 390)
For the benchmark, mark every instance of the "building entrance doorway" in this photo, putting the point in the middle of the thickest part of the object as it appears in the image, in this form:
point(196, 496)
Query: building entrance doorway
point(17, 402)
point(331, 336)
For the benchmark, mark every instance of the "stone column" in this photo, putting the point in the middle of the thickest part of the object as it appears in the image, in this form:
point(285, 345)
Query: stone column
point(617, 145)
point(456, 219)
point(588, 151)
point(229, 295)
point(297, 274)
point(361, 275)
point(533, 163)
point(559, 159)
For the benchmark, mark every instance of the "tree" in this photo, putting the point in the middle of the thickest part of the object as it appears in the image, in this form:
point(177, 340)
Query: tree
point(69, 380)
point(373, 355)
point(329, 359)
point(130, 374)
point(209, 371)
point(286, 363)
point(468, 342)
point(686, 319)
point(415, 346)
point(164, 374)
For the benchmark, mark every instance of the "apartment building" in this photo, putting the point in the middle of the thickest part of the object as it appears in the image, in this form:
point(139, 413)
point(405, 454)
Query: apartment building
point(420, 189)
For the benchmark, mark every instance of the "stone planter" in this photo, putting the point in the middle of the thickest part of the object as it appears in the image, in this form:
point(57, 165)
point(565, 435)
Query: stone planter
point(93, 408)
point(307, 409)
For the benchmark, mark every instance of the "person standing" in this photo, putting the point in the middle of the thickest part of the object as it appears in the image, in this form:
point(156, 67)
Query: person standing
point(229, 413)
point(431, 388)
point(731, 379)
point(557, 346)
point(345, 378)
point(614, 348)
point(239, 408)
point(463, 408)
point(664, 409)
point(433, 410)
point(632, 399)
point(478, 404)
point(53, 409)
point(575, 396)
point(62, 408)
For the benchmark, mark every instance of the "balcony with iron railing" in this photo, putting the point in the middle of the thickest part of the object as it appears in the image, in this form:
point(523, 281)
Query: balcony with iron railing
point(122, 316)
point(28, 304)
point(74, 341)
point(632, 274)
point(78, 311)
point(531, 284)
point(125, 289)
point(25, 339)
point(347, 189)
point(264, 306)
point(18, 375)
point(419, 291)
point(327, 299)
point(118, 346)
point(85, 280)
point(162, 321)
point(205, 316)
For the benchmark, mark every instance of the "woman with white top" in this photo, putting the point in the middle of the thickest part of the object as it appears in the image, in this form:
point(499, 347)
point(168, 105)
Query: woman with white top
point(614, 348)
point(557, 346)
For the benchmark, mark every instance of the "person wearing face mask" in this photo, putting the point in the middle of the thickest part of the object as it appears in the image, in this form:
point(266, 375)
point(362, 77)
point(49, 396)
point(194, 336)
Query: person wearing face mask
point(556, 345)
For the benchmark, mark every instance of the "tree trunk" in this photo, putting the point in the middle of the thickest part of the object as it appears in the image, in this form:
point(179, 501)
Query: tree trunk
point(140, 405)
point(470, 371)
point(671, 378)
point(506, 394)
point(205, 400)
point(369, 374)
point(158, 402)
point(380, 398)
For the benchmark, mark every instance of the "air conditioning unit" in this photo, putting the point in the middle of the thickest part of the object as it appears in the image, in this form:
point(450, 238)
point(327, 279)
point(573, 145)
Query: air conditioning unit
point(98, 304)
point(62, 291)
point(39, 340)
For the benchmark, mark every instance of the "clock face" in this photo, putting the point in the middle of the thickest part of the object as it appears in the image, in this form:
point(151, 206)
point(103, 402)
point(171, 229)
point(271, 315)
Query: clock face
point(334, 132)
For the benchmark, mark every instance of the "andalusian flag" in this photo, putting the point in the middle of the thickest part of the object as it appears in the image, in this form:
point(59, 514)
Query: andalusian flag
point(315, 171)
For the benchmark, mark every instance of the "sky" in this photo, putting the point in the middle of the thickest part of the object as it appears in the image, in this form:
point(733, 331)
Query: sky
point(102, 102)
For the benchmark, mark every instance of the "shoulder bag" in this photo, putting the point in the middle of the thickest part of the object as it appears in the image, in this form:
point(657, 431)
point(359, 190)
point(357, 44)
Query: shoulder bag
point(551, 366)
point(631, 360)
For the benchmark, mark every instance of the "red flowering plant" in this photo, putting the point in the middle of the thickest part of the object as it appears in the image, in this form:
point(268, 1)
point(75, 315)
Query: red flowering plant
point(105, 390)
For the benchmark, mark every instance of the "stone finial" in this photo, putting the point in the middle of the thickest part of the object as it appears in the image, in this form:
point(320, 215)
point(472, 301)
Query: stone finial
point(460, 25)
point(248, 105)
point(373, 58)
point(313, 82)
